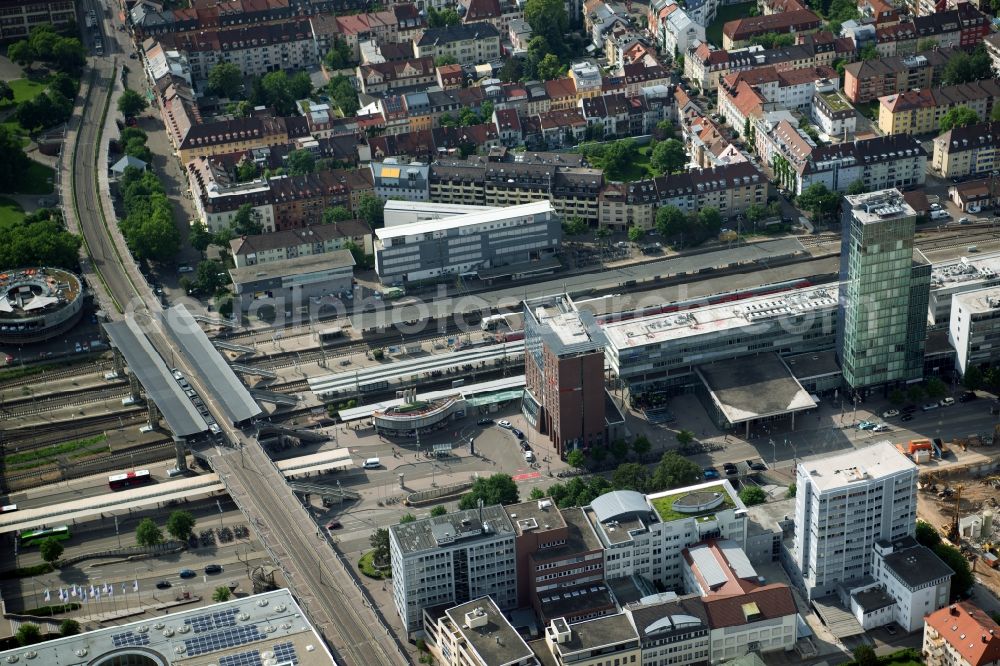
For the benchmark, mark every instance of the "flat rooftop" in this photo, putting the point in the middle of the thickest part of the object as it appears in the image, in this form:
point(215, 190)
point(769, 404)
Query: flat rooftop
point(261, 628)
point(868, 463)
point(157, 381)
point(458, 526)
point(274, 270)
point(600, 632)
point(464, 220)
point(569, 600)
point(663, 502)
point(980, 300)
point(753, 387)
point(563, 324)
point(915, 564)
point(873, 599)
point(836, 101)
point(666, 327)
point(813, 364)
point(494, 639)
point(535, 515)
point(879, 206)
point(964, 271)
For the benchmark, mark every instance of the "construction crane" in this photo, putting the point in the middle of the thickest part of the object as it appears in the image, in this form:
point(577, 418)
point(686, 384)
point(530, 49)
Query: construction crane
point(953, 533)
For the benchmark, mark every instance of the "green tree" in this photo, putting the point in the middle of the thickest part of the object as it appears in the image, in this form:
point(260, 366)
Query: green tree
point(147, 533)
point(210, 277)
point(6, 92)
point(960, 116)
point(915, 393)
point(180, 525)
point(962, 581)
point(225, 80)
point(927, 44)
point(300, 85)
point(50, 549)
point(751, 495)
point(671, 221)
point(869, 52)
point(641, 446)
point(973, 378)
point(536, 494)
point(665, 129)
point(548, 20)
point(576, 459)
point(371, 209)
point(710, 221)
point(14, 164)
point(792, 489)
point(62, 82)
point(441, 509)
point(246, 170)
point(549, 67)
point(574, 226)
point(407, 518)
point(379, 542)
point(245, 222)
point(857, 187)
point(966, 67)
point(336, 214)
point(339, 56)
point(494, 489)
point(684, 437)
point(619, 449)
point(275, 90)
point(926, 534)
point(69, 627)
point(674, 470)
point(442, 18)
point(443, 60)
point(344, 95)
point(935, 388)
point(221, 593)
point(199, 236)
point(820, 202)
point(631, 476)
point(864, 655)
point(21, 53)
point(300, 162)
point(995, 113)
point(668, 156)
point(28, 634)
point(131, 103)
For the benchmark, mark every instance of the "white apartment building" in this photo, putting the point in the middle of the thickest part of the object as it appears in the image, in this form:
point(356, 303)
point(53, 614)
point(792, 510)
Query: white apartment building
point(475, 633)
point(644, 534)
point(680, 33)
point(959, 276)
point(452, 559)
point(974, 329)
point(880, 163)
point(516, 239)
point(844, 504)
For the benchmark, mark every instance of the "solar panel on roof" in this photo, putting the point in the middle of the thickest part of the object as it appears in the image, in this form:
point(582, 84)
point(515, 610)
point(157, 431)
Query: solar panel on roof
point(284, 653)
point(229, 637)
point(129, 639)
point(251, 658)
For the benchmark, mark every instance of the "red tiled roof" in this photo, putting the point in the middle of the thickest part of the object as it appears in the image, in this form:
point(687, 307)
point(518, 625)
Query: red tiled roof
point(558, 88)
point(744, 28)
point(772, 601)
point(969, 630)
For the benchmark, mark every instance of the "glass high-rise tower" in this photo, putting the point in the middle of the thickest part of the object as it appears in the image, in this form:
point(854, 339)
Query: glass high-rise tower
point(882, 322)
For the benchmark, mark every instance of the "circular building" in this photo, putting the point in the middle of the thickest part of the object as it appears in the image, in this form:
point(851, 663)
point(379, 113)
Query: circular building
point(424, 415)
point(38, 303)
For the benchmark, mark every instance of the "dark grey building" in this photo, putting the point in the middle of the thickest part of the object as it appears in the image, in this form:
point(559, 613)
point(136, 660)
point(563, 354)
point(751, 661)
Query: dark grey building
point(290, 284)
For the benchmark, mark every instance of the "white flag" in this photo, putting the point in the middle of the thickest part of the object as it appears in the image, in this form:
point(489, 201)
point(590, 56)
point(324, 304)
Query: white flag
point(123, 589)
point(108, 589)
point(48, 595)
point(135, 585)
point(72, 590)
point(63, 594)
point(98, 592)
point(92, 592)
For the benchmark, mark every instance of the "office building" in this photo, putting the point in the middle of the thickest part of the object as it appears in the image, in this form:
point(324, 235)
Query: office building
point(501, 242)
point(452, 559)
point(961, 635)
point(596, 642)
point(740, 32)
point(398, 212)
point(968, 151)
point(260, 628)
point(959, 276)
point(882, 320)
point(475, 633)
point(20, 16)
point(974, 329)
point(673, 631)
point(844, 504)
point(292, 243)
point(643, 534)
point(564, 395)
point(290, 285)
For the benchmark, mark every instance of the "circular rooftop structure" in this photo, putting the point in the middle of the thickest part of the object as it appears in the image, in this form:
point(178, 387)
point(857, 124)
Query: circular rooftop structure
point(697, 502)
point(38, 303)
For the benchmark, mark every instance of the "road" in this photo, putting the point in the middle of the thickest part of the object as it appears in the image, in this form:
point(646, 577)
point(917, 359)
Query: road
point(280, 521)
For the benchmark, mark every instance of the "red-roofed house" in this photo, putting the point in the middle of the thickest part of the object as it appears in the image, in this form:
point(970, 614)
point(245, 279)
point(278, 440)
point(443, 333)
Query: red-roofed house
point(743, 614)
point(449, 76)
point(961, 635)
point(740, 31)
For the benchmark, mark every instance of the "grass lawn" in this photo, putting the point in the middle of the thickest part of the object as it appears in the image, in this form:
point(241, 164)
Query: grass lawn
point(665, 505)
point(726, 13)
point(368, 568)
point(15, 128)
point(38, 180)
point(636, 170)
point(10, 211)
point(25, 89)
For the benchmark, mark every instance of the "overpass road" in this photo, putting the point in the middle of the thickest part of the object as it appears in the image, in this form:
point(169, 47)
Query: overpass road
point(331, 596)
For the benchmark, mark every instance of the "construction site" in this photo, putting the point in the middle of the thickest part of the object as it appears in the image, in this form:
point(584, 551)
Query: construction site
point(961, 501)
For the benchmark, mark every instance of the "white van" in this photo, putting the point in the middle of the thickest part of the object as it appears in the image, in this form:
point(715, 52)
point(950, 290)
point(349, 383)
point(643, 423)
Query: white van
point(939, 214)
point(372, 463)
point(529, 456)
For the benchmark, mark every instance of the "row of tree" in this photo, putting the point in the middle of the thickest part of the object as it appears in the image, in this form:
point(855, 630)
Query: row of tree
point(688, 229)
point(148, 225)
point(40, 238)
point(467, 116)
point(45, 45)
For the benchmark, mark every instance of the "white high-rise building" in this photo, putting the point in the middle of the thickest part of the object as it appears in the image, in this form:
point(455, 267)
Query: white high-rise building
point(843, 505)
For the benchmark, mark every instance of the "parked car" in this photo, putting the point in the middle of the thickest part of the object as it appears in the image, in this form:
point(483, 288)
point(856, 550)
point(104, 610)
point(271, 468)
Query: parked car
point(187, 573)
point(906, 417)
point(866, 425)
point(484, 422)
point(334, 525)
point(756, 465)
point(711, 473)
point(888, 414)
point(504, 424)
point(213, 568)
point(525, 446)
point(967, 396)
point(930, 405)
point(164, 584)
point(947, 402)
point(881, 427)
point(517, 433)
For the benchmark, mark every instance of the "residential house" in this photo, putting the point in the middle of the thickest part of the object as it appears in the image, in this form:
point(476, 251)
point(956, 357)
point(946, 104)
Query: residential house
point(729, 188)
point(599, 17)
point(378, 78)
point(834, 115)
point(229, 136)
point(970, 150)
point(878, 163)
point(468, 44)
point(976, 195)
point(868, 80)
point(961, 634)
point(740, 32)
point(920, 111)
point(301, 242)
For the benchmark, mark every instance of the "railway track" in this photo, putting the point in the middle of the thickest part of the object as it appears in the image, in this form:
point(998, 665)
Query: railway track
point(958, 240)
point(37, 437)
point(42, 405)
point(59, 373)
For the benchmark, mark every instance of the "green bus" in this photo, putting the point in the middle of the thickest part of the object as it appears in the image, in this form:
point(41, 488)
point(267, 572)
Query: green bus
point(33, 537)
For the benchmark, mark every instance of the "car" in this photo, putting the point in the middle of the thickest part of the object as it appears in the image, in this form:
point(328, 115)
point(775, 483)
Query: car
point(529, 456)
point(881, 427)
point(711, 473)
point(504, 424)
point(888, 414)
point(484, 422)
point(967, 396)
point(866, 425)
point(525, 446)
point(164, 584)
point(756, 465)
point(946, 402)
point(517, 433)
point(133, 56)
point(929, 406)
point(213, 568)
point(964, 220)
point(334, 525)
point(187, 573)
point(906, 417)
point(909, 409)
point(77, 347)
point(891, 630)
point(93, 319)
